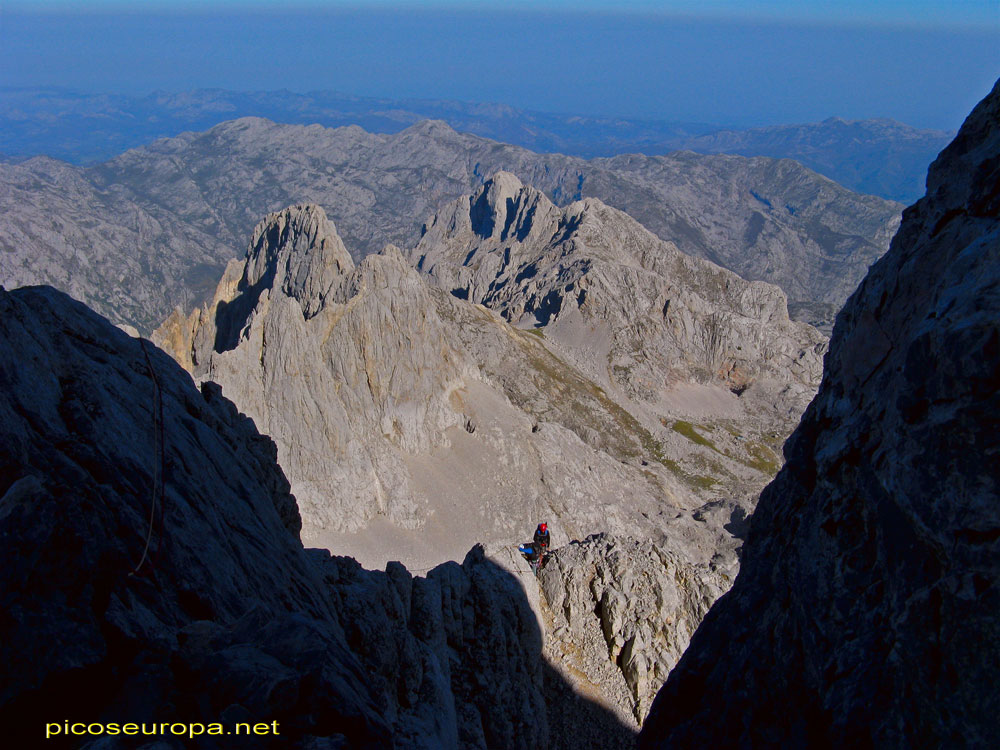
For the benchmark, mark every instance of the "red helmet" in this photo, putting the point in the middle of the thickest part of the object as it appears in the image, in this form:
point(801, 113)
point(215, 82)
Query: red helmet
point(543, 527)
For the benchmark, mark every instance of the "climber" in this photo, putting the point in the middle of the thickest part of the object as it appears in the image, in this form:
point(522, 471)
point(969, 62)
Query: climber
point(535, 554)
point(542, 538)
point(531, 551)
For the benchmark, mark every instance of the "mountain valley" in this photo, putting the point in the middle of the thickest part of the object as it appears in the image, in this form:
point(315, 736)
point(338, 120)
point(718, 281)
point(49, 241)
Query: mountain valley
point(413, 422)
point(373, 362)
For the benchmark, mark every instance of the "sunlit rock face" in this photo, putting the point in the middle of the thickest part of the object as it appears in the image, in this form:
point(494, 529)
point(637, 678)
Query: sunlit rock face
point(153, 228)
point(347, 368)
point(866, 609)
point(413, 423)
point(615, 296)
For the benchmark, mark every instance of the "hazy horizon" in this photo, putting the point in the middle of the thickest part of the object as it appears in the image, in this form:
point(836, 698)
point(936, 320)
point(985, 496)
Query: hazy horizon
point(743, 72)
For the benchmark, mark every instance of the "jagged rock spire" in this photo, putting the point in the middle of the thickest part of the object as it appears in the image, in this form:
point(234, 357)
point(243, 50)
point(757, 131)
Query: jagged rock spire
point(510, 248)
point(298, 251)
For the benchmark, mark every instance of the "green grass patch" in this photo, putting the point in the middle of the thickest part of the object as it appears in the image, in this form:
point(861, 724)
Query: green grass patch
point(701, 482)
point(688, 430)
point(763, 459)
point(578, 403)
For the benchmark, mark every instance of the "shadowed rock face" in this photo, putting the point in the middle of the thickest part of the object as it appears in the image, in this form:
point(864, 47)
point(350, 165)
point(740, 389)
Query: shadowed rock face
point(866, 611)
point(227, 619)
point(128, 554)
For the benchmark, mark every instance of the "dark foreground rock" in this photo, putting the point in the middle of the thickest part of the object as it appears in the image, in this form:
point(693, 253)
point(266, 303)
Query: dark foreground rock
point(150, 571)
point(867, 606)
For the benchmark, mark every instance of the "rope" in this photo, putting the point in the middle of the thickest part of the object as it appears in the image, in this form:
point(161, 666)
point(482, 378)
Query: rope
point(158, 468)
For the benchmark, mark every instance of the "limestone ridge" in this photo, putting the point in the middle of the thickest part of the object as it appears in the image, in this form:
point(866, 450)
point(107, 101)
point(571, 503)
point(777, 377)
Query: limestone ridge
point(228, 619)
point(344, 367)
point(866, 609)
point(589, 266)
point(386, 369)
point(154, 227)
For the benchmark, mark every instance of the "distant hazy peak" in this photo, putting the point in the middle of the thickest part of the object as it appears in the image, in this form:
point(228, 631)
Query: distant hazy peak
point(431, 128)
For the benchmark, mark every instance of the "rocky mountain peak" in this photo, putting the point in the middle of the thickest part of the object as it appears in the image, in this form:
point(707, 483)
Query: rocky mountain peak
point(346, 367)
point(590, 274)
point(158, 224)
point(298, 251)
point(502, 209)
point(438, 129)
point(376, 384)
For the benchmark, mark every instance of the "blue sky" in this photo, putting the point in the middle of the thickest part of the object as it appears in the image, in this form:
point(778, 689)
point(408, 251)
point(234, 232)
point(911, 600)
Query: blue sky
point(937, 13)
point(720, 61)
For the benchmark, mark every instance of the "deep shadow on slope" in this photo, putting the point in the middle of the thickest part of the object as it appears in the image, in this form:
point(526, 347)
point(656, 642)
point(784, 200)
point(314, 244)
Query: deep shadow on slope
point(149, 585)
point(474, 620)
point(867, 608)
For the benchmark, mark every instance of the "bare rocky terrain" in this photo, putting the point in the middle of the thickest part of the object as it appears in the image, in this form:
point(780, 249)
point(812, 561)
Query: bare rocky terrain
point(150, 530)
point(413, 424)
point(153, 228)
point(152, 537)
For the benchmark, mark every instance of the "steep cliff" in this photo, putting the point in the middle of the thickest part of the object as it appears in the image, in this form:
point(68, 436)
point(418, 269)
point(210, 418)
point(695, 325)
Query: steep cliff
point(151, 573)
point(624, 304)
point(865, 613)
point(346, 368)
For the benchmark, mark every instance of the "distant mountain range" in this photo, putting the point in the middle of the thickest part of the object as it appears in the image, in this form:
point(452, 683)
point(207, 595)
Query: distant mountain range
point(876, 157)
point(154, 227)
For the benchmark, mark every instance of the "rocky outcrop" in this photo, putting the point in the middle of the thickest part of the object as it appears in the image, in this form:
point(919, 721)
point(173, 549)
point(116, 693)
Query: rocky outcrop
point(346, 368)
point(396, 406)
point(624, 304)
point(153, 228)
point(619, 612)
point(151, 573)
point(865, 613)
